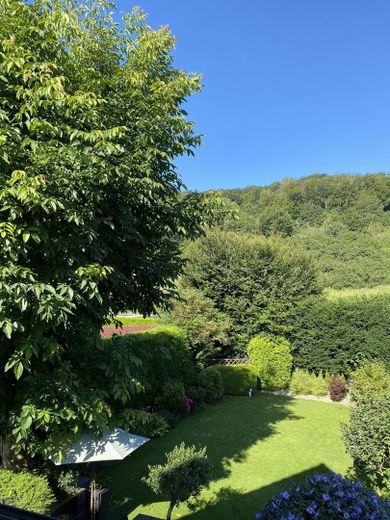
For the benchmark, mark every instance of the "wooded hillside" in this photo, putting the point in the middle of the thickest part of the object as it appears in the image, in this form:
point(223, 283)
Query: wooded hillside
point(343, 220)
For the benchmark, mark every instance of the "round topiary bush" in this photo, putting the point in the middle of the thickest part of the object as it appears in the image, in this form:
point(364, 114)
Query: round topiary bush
point(271, 360)
point(25, 490)
point(329, 496)
point(212, 383)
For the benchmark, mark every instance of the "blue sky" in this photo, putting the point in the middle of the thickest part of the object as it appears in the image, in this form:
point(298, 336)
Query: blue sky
point(291, 87)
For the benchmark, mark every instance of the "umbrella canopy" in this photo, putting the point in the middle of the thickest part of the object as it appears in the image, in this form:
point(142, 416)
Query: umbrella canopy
point(112, 445)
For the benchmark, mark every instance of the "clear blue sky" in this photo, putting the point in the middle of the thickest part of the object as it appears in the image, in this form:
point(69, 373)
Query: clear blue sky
point(291, 87)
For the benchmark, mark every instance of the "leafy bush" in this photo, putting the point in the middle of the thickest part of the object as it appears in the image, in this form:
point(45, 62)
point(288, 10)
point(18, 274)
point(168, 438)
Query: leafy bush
point(183, 476)
point(237, 379)
point(334, 335)
point(143, 423)
point(211, 381)
point(367, 439)
point(207, 328)
point(172, 397)
point(338, 389)
point(25, 490)
point(155, 356)
point(271, 360)
point(304, 382)
point(372, 378)
point(66, 482)
point(329, 496)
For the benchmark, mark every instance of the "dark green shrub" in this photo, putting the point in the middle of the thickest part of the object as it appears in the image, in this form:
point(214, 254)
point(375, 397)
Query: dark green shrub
point(143, 423)
point(271, 360)
point(66, 482)
point(237, 379)
point(334, 335)
point(211, 381)
point(304, 382)
point(172, 397)
point(367, 438)
point(25, 490)
point(370, 379)
point(185, 473)
point(156, 356)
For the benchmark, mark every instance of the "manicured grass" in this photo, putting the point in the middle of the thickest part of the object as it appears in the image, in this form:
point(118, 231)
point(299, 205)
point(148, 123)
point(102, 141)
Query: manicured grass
point(127, 320)
point(256, 447)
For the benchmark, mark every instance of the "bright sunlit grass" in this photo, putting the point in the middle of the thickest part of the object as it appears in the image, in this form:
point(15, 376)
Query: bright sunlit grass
point(255, 445)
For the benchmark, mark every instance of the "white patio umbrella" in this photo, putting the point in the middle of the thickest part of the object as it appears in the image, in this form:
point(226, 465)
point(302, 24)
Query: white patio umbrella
point(112, 445)
point(90, 448)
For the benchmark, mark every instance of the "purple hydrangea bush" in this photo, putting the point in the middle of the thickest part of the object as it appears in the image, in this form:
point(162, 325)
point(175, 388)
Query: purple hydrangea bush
point(329, 496)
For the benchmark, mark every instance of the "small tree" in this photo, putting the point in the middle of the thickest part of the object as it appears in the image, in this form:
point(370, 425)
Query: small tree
point(183, 476)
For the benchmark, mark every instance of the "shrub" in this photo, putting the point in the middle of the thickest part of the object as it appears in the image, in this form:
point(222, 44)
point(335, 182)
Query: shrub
point(338, 389)
point(172, 397)
point(271, 360)
point(367, 438)
point(143, 423)
point(237, 379)
point(329, 496)
point(25, 490)
point(66, 482)
point(163, 353)
point(304, 382)
point(370, 379)
point(183, 476)
point(207, 328)
point(334, 335)
point(211, 381)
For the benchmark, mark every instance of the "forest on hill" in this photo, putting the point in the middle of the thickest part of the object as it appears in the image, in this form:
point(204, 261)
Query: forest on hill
point(342, 220)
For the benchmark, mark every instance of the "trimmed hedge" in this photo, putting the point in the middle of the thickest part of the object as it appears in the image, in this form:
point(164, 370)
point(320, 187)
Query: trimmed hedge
point(26, 490)
point(237, 379)
point(271, 359)
point(334, 336)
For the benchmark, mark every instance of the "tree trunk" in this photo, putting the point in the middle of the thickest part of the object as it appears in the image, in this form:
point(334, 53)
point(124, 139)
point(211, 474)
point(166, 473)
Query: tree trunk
point(170, 509)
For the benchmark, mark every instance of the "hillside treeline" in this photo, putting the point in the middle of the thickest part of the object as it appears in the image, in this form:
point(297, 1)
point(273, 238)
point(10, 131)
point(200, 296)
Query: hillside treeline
point(343, 220)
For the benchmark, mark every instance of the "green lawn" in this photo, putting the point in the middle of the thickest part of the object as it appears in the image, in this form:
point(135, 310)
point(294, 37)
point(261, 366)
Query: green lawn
point(135, 321)
point(255, 445)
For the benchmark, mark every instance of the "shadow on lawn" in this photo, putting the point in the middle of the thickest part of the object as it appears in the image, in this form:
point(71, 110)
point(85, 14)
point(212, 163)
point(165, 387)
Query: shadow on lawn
point(231, 503)
point(227, 430)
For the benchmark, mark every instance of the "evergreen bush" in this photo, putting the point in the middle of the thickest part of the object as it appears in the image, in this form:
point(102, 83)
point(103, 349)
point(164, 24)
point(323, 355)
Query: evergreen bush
point(237, 379)
point(271, 359)
point(210, 380)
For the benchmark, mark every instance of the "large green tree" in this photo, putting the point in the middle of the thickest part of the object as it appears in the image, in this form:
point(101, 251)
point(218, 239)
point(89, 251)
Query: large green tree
point(91, 121)
point(255, 281)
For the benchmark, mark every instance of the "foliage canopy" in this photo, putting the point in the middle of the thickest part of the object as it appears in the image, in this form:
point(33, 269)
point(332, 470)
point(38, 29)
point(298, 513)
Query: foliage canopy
point(90, 218)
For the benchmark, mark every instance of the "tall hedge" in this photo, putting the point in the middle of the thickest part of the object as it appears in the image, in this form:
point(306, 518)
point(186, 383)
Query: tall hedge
point(336, 335)
point(271, 359)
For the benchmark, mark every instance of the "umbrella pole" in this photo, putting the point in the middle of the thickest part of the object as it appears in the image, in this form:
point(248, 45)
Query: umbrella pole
point(92, 491)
